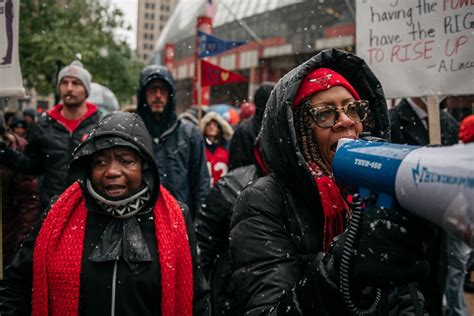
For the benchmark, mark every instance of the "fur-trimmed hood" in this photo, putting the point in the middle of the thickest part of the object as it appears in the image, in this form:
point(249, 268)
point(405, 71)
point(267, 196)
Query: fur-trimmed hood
point(226, 129)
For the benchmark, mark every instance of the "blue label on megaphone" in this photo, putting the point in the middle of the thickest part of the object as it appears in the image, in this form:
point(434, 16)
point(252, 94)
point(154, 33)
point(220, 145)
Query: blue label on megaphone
point(371, 165)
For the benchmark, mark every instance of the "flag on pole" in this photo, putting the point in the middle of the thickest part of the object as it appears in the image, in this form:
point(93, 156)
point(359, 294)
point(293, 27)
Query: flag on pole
point(209, 45)
point(210, 8)
point(212, 75)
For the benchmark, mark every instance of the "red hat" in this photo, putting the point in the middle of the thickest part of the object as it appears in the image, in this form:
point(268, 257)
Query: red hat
point(466, 129)
point(319, 80)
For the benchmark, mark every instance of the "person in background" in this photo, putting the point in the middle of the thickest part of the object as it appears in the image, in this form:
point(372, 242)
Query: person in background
point(458, 251)
point(29, 115)
point(217, 133)
point(459, 106)
point(179, 145)
point(409, 121)
point(20, 200)
point(241, 144)
point(212, 232)
point(247, 111)
point(18, 126)
point(8, 116)
point(115, 242)
point(192, 115)
point(409, 125)
point(61, 129)
point(288, 228)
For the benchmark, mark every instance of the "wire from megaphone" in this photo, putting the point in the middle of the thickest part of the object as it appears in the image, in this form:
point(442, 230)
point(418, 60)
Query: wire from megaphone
point(344, 266)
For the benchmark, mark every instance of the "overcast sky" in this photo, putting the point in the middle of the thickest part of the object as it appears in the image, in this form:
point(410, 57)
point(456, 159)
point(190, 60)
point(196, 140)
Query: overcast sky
point(129, 8)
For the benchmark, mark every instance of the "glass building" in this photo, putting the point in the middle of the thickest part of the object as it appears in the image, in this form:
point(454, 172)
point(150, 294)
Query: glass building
point(280, 34)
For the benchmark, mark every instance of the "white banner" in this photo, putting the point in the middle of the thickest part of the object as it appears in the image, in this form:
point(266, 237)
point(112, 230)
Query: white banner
point(11, 83)
point(418, 47)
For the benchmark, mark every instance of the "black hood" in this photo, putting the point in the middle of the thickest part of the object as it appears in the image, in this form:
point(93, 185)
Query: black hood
point(168, 117)
point(117, 129)
point(260, 99)
point(277, 138)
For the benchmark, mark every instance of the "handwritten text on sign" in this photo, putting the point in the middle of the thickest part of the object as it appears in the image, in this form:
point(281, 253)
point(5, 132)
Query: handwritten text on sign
point(418, 47)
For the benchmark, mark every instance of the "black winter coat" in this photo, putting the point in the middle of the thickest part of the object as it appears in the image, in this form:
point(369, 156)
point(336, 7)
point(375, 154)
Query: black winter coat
point(179, 145)
point(212, 233)
point(49, 153)
point(135, 294)
point(241, 144)
point(277, 225)
point(407, 127)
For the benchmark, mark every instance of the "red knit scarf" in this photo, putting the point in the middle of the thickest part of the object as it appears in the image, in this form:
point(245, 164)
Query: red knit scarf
point(333, 203)
point(58, 253)
point(334, 209)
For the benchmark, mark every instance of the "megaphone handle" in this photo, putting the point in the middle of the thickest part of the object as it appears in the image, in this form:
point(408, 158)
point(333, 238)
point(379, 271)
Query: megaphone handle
point(346, 260)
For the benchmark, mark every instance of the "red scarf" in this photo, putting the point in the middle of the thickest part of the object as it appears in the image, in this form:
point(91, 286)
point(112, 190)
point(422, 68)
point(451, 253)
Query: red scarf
point(333, 203)
point(334, 209)
point(58, 252)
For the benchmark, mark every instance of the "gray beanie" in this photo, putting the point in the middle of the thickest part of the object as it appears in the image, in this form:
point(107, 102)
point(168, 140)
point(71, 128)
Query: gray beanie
point(76, 70)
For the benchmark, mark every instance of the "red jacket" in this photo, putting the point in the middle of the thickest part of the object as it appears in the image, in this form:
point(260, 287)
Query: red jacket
point(217, 162)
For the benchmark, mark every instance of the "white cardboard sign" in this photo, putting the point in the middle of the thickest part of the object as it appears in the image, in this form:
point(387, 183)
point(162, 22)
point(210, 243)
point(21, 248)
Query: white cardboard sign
point(418, 47)
point(11, 83)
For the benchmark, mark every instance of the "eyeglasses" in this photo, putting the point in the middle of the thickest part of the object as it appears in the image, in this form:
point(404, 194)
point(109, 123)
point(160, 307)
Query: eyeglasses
point(326, 116)
point(154, 88)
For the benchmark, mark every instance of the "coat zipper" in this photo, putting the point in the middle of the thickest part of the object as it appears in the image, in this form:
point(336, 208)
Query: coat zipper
point(114, 282)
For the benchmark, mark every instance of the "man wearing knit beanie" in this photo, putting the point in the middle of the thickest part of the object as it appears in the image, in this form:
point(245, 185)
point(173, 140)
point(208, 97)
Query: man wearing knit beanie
point(76, 70)
point(61, 129)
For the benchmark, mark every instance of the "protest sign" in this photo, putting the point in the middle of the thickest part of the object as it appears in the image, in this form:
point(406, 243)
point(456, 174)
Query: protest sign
point(11, 83)
point(418, 47)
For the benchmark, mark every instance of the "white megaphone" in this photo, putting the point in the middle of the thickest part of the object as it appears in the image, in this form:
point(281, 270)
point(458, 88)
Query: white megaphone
point(435, 183)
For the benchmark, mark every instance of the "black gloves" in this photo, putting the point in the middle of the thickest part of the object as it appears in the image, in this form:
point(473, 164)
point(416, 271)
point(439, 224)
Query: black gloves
point(389, 249)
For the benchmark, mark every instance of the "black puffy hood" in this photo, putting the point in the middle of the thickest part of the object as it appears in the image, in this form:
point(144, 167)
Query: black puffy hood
point(117, 129)
point(168, 117)
point(277, 138)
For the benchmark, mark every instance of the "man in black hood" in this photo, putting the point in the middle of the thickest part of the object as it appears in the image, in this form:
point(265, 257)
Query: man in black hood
point(241, 144)
point(179, 146)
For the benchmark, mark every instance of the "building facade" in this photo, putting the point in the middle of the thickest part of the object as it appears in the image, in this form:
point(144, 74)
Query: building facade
point(151, 19)
point(280, 35)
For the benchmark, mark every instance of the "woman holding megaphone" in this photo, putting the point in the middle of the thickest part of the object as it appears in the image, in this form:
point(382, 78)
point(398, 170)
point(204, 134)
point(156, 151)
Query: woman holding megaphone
point(289, 228)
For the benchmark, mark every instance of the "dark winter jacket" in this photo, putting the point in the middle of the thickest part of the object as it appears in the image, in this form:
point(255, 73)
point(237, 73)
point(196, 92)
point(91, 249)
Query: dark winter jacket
point(407, 127)
point(179, 146)
point(20, 203)
point(136, 294)
point(212, 232)
point(241, 144)
point(276, 234)
point(49, 153)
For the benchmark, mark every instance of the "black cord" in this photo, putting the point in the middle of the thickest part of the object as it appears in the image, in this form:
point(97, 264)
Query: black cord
point(415, 299)
point(345, 264)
